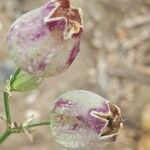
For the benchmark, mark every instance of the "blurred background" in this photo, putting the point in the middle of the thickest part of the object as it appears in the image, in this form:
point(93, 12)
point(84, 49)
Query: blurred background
point(114, 62)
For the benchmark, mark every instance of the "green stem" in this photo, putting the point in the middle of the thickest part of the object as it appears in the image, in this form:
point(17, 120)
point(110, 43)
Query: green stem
point(11, 128)
point(37, 124)
point(4, 136)
point(10, 131)
point(15, 76)
point(7, 109)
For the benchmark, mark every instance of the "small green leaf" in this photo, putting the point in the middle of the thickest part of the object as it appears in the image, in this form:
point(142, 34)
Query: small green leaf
point(25, 82)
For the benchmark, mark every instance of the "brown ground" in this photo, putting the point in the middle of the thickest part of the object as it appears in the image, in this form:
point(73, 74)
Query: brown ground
point(114, 62)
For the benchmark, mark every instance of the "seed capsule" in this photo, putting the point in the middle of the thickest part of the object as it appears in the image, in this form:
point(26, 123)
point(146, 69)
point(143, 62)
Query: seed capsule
point(45, 41)
point(81, 118)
